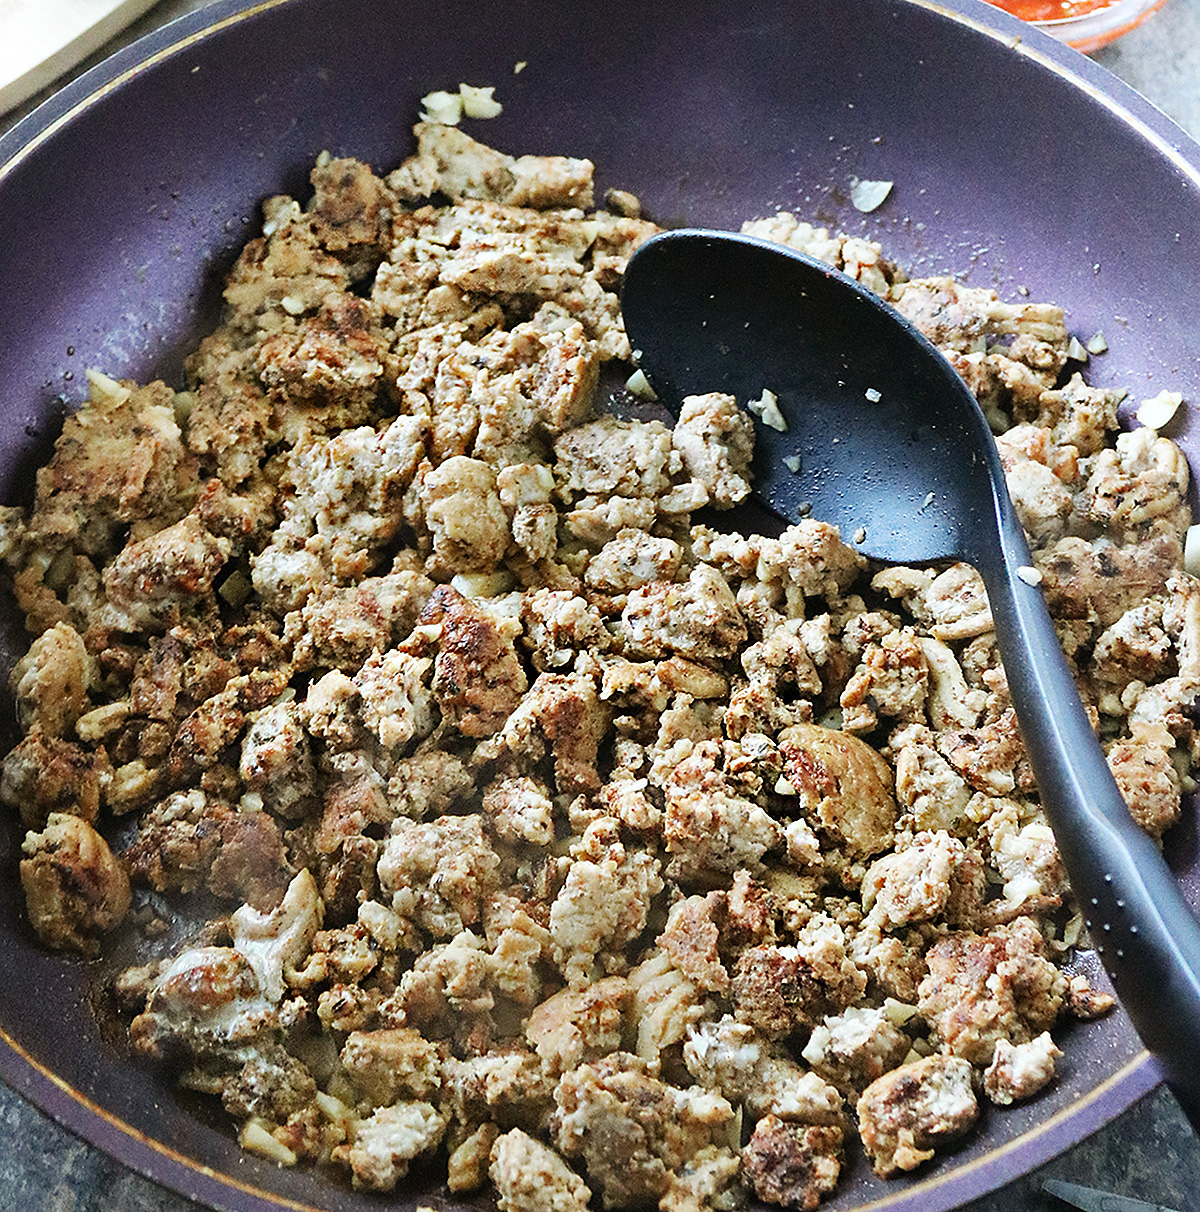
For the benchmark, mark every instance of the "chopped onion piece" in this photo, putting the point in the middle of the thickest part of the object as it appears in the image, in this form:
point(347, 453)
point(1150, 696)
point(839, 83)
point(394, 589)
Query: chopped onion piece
point(896, 1012)
point(1158, 410)
point(449, 108)
point(869, 195)
point(1020, 888)
point(638, 385)
point(766, 408)
point(1097, 344)
point(479, 102)
point(103, 389)
point(255, 1137)
point(482, 584)
point(1030, 575)
point(442, 107)
point(1191, 551)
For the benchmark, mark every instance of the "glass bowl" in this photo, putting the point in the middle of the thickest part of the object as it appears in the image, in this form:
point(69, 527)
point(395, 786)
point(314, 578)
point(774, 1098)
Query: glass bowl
point(1085, 30)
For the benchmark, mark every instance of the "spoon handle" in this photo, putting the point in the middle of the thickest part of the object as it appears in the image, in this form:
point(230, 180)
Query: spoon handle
point(1141, 927)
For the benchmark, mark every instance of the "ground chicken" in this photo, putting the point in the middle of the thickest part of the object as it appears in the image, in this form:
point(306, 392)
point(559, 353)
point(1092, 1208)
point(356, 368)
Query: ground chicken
point(387, 1142)
point(51, 681)
point(982, 988)
point(699, 620)
point(557, 837)
point(708, 826)
point(842, 784)
point(794, 1165)
point(780, 989)
point(603, 902)
point(935, 876)
point(530, 1177)
point(905, 1115)
point(632, 1130)
point(1019, 1071)
point(715, 440)
point(75, 889)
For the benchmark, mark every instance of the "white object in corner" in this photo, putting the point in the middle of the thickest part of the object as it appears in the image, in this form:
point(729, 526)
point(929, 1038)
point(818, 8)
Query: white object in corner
point(42, 39)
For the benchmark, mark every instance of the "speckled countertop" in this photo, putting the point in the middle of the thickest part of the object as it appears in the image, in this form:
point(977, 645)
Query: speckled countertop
point(1151, 1152)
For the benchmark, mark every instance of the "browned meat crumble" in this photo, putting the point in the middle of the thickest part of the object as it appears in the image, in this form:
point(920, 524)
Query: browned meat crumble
point(612, 856)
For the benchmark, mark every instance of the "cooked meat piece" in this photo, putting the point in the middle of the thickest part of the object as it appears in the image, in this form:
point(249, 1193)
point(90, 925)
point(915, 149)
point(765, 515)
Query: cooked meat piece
point(544, 822)
point(780, 989)
point(843, 786)
point(1137, 488)
point(608, 458)
point(603, 903)
point(1147, 777)
point(519, 809)
point(531, 1177)
point(43, 775)
point(793, 1165)
point(449, 161)
point(276, 760)
point(742, 1064)
point(438, 873)
point(861, 259)
point(332, 360)
point(709, 827)
point(986, 987)
point(698, 620)
point(691, 938)
point(391, 1064)
point(907, 1114)
point(935, 876)
point(1019, 1071)
point(153, 582)
point(74, 888)
point(478, 680)
point(576, 1025)
point(1082, 581)
point(1039, 481)
point(630, 560)
point(892, 679)
point(463, 510)
point(52, 680)
point(271, 1086)
point(386, 1143)
point(119, 460)
point(349, 206)
point(953, 603)
point(708, 1181)
point(956, 316)
point(563, 715)
point(715, 439)
point(341, 627)
point(631, 1129)
point(857, 1046)
point(206, 1000)
point(559, 625)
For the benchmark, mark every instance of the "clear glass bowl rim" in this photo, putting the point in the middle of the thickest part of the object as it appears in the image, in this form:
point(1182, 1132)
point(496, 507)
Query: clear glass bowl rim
point(1087, 31)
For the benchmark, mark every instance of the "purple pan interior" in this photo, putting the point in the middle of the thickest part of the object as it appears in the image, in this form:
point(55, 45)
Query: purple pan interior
point(1016, 163)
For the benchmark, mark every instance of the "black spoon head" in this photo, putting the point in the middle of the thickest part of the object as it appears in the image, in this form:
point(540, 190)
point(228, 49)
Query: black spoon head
point(880, 437)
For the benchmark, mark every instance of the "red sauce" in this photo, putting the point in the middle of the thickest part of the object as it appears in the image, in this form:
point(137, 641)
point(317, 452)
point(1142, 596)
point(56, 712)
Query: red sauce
point(1050, 10)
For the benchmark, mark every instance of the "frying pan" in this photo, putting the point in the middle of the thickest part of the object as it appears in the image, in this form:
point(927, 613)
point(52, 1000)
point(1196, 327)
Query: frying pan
point(1015, 162)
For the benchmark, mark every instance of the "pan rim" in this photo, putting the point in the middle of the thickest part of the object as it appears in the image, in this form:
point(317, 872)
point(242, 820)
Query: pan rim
point(74, 1110)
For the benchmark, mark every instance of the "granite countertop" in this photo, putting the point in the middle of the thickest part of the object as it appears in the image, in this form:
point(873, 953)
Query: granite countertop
point(1151, 1152)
